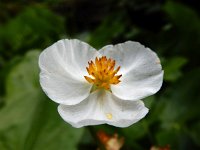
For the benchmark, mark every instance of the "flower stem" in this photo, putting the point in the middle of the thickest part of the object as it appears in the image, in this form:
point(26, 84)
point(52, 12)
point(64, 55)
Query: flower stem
point(94, 135)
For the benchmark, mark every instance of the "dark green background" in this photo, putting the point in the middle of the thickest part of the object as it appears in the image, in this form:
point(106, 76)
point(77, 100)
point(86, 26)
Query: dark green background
point(29, 120)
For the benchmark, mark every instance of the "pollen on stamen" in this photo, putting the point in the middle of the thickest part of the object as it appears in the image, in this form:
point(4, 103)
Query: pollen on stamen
point(102, 73)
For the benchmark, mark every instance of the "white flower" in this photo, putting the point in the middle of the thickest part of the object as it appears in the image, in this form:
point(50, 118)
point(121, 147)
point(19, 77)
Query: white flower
point(96, 87)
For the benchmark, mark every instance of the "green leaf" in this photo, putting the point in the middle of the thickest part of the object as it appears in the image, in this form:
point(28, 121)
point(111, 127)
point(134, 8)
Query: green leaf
point(181, 100)
point(136, 131)
point(108, 30)
point(172, 68)
point(181, 110)
point(164, 137)
point(149, 101)
point(194, 132)
point(185, 32)
point(29, 120)
point(35, 25)
point(181, 15)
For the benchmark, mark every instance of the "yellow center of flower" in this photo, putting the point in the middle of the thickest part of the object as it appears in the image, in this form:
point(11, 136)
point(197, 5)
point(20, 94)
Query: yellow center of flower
point(102, 73)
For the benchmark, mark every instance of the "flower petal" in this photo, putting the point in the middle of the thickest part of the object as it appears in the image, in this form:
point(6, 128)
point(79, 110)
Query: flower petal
point(70, 56)
point(141, 71)
point(63, 66)
point(103, 107)
point(64, 89)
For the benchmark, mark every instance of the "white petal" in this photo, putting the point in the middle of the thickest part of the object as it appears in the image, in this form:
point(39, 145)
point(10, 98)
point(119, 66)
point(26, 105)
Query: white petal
point(64, 89)
point(69, 56)
point(141, 71)
point(63, 66)
point(103, 107)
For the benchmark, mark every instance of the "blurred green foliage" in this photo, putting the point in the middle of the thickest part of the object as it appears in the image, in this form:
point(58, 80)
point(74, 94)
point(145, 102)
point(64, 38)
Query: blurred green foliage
point(29, 120)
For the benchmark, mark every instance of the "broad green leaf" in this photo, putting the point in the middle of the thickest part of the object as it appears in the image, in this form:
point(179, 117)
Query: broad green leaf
point(29, 120)
point(107, 31)
point(181, 100)
point(35, 25)
point(166, 137)
point(194, 131)
point(149, 101)
point(136, 131)
point(182, 14)
point(172, 68)
point(185, 32)
point(180, 111)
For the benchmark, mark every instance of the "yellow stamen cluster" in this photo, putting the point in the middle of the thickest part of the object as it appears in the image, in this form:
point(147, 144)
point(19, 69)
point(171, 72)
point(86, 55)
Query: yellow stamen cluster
point(103, 73)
